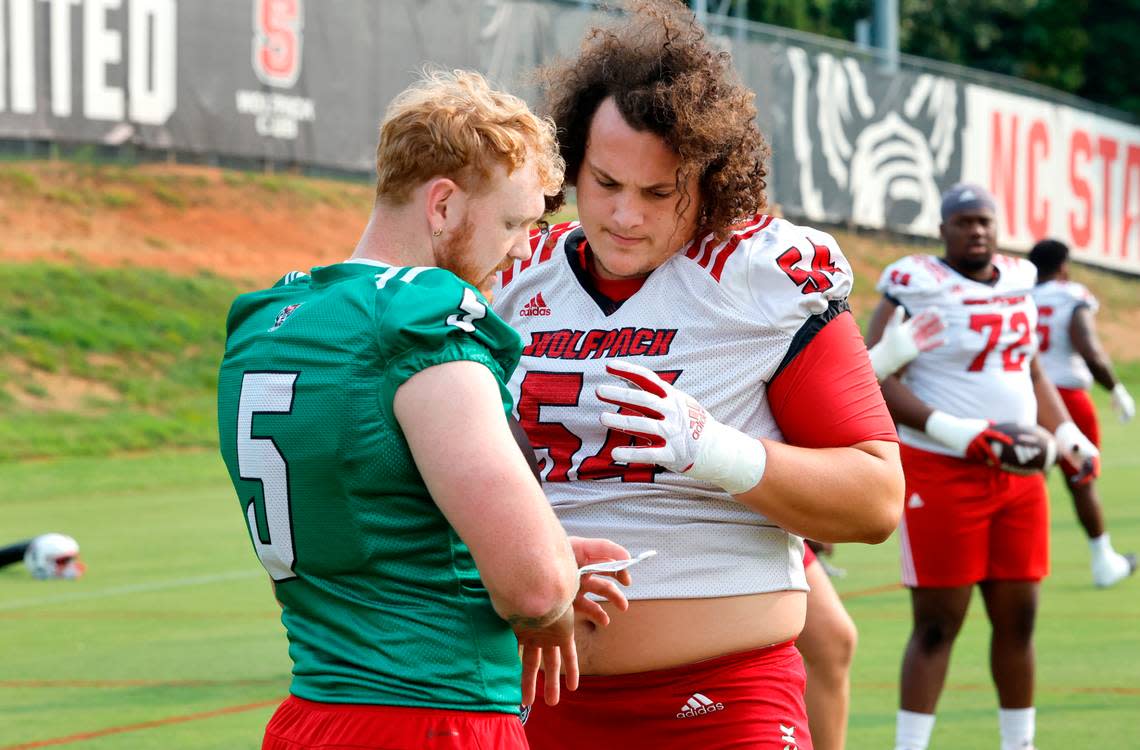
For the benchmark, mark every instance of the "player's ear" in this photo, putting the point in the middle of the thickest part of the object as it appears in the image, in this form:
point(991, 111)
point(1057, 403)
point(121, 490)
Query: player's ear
point(442, 195)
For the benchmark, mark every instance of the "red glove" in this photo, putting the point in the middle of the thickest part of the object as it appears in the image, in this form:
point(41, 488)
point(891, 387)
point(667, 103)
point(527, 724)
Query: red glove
point(974, 437)
point(982, 448)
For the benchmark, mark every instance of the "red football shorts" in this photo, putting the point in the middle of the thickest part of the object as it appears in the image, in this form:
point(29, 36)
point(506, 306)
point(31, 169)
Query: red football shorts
point(809, 556)
point(299, 724)
point(1083, 411)
point(965, 522)
point(752, 699)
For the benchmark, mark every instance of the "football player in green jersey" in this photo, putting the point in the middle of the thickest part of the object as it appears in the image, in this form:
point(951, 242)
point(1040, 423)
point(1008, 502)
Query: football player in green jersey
point(362, 415)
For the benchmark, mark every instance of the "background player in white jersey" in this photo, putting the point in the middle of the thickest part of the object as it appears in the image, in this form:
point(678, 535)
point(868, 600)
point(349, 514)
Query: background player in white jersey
point(673, 277)
point(1073, 357)
point(966, 412)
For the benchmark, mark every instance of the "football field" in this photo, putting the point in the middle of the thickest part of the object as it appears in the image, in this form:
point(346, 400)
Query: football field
point(172, 640)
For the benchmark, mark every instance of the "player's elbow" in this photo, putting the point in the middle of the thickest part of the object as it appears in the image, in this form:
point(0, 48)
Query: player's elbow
point(545, 602)
point(883, 525)
point(544, 587)
point(884, 505)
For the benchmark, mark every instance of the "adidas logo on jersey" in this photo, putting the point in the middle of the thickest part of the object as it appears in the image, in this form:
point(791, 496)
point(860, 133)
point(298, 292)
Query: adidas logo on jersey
point(698, 705)
point(789, 737)
point(536, 306)
point(915, 501)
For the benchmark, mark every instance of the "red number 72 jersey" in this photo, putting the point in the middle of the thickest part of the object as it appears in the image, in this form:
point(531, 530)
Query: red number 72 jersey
point(991, 336)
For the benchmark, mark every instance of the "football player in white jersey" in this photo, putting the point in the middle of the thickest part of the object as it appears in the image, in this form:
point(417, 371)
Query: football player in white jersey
point(1073, 357)
point(693, 383)
point(968, 520)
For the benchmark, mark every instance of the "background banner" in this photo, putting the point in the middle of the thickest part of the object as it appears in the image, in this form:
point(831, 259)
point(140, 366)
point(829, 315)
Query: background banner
point(306, 82)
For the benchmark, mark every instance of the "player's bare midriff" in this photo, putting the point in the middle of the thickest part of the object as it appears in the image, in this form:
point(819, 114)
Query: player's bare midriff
point(664, 633)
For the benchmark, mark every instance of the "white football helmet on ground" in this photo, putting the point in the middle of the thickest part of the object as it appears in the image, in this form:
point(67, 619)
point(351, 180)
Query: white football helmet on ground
point(54, 556)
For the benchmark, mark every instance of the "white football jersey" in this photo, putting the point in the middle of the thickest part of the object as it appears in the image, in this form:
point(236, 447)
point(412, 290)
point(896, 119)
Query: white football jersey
point(982, 369)
point(1056, 303)
point(718, 319)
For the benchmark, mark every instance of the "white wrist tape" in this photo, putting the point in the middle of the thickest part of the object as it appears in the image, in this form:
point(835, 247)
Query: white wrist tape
point(1123, 404)
point(892, 353)
point(729, 458)
point(1068, 435)
point(885, 360)
point(953, 432)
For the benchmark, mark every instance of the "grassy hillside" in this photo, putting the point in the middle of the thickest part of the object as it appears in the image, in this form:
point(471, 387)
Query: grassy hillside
point(104, 360)
point(115, 281)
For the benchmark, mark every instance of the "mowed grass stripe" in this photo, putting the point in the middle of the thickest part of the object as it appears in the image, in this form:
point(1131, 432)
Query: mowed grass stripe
point(86, 736)
point(138, 588)
point(110, 684)
point(161, 533)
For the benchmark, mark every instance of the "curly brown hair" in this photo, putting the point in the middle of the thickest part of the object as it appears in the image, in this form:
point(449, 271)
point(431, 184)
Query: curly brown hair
point(666, 78)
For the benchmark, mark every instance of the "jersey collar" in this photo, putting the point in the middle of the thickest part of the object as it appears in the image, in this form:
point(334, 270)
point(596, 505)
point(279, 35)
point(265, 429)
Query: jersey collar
point(369, 262)
point(607, 294)
point(348, 269)
point(992, 282)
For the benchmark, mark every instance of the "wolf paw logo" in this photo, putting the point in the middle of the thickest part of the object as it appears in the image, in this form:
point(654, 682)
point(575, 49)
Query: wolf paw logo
point(862, 150)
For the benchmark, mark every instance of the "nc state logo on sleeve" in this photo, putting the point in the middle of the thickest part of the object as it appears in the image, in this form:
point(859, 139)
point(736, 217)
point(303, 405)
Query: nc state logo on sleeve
point(277, 27)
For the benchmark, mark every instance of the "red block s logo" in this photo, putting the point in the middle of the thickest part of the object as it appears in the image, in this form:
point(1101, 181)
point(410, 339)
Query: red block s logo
point(277, 26)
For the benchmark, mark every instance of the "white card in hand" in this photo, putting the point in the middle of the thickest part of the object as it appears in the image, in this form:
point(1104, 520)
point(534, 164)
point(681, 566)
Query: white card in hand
point(613, 566)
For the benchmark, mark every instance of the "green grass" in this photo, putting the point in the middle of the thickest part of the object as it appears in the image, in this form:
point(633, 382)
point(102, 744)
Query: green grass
point(170, 196)
point(175, 620)
point(118, 198)
point(1088, 673)
point(175, 627)
point(151, 339)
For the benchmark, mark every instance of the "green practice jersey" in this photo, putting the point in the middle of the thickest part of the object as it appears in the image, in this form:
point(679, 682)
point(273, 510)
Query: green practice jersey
point(381, 599)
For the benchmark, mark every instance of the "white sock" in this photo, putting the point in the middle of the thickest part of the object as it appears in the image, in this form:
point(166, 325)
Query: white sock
point(1101, 546)
point(912, 731)
point(1017, 727)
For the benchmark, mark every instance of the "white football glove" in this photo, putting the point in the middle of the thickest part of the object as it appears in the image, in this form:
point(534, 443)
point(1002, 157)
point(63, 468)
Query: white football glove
point(682, 436)
point(1078, 450)
point(1123, 404)
point(903, 340)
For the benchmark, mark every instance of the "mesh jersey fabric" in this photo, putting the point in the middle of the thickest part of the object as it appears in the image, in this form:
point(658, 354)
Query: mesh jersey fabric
point(982, 369)
point(381, 600)
point(1056, 302)
point(718, 319)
